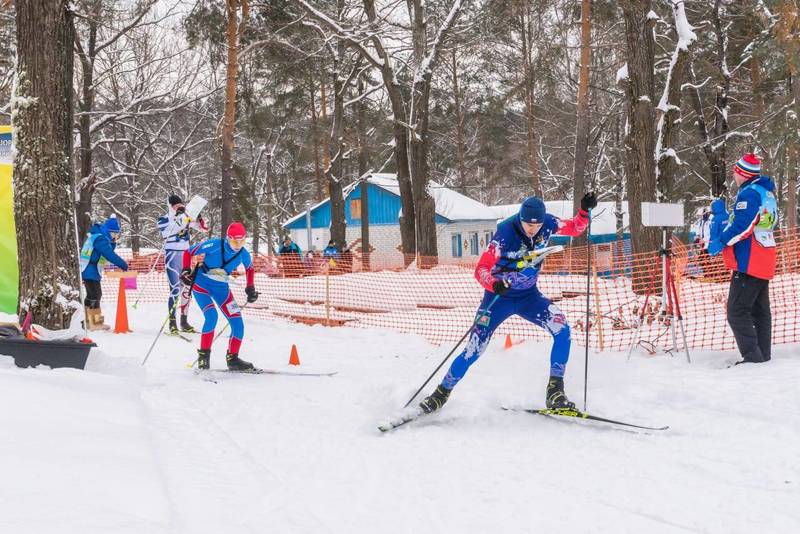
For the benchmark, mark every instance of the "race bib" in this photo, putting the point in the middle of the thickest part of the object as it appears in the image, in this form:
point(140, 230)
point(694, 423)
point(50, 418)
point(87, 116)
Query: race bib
point(232, 308)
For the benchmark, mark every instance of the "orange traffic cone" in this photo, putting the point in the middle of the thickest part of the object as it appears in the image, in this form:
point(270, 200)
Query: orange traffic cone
point(509, 344)
point(121, 324)
point(294, 359)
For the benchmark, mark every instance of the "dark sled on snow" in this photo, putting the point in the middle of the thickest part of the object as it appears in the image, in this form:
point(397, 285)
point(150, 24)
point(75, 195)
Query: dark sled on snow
point(30, 353)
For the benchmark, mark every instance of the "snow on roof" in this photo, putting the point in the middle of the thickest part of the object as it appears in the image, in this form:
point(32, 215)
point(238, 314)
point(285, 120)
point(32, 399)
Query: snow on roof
point(604, 220)
point(450, 204)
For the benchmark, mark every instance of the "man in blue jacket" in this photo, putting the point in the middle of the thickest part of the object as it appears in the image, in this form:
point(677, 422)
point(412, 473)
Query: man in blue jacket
point(209, 281)
point(97, 249)
point(509, 281)
point(747, 244)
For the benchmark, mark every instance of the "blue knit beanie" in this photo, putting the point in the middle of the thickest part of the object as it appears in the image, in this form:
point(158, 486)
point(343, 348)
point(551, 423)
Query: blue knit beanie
point(111, 225)
point(532, 210)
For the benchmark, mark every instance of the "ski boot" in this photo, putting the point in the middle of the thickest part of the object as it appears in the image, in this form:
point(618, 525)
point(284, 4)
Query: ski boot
point(235, 363)
point(435, 400)
point(204, 359)
point(185, 326)
point(556, 399)
point(173, 326)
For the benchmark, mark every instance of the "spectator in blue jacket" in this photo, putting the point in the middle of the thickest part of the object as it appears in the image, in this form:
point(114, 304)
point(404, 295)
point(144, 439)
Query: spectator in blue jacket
point(719, 218)
point(97, 249)
point(330, 251)
point(713, 270)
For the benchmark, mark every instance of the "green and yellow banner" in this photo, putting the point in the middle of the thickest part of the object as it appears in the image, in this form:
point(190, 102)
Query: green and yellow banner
point(9, 273)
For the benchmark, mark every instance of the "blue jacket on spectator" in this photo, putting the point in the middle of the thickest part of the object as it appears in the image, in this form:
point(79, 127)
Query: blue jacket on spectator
point(99, 248)
point(719, 218)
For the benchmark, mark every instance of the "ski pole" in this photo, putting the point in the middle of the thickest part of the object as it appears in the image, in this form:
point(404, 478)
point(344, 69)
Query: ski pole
point(171, 312)
point(460, 341)
point(149, 280)
point(588, 289)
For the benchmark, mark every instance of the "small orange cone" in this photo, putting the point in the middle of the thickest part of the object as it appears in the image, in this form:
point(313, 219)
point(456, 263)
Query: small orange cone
point(294, 359)
point(509, 344)
point(121, 324)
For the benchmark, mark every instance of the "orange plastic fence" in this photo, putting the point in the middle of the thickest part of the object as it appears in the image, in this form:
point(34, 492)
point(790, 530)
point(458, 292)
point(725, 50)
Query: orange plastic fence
point(439, 303)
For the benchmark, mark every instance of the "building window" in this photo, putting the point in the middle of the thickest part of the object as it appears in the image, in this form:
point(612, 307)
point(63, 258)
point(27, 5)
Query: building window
point(473, 244)
point(487, 238)
point(456, 246)
point(355, 208)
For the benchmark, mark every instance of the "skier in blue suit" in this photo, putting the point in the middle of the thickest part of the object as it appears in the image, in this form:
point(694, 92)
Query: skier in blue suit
point(210, 286)
point(510, 289)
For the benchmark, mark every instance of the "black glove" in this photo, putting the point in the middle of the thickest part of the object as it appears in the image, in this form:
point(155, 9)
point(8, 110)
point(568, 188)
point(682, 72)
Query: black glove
point(500, 287)
point(252, 294)
point(589, 201)
point(186, 276)
point(181, 210)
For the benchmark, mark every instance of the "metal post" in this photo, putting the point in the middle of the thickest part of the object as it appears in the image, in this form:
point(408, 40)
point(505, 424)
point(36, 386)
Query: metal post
point(308, 227)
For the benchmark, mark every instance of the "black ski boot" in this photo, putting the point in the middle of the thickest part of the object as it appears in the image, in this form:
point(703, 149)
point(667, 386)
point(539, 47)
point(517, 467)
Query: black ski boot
point(435, 400)
point(556, 399)
point(185, 326)
point(235, 363)
point(173, 326)
point(204, 359)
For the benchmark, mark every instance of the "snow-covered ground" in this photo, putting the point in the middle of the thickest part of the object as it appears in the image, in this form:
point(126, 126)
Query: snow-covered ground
point(121, 448)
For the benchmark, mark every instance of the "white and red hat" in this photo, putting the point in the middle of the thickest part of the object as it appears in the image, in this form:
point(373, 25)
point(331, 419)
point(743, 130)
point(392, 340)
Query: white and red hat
point(748, 166)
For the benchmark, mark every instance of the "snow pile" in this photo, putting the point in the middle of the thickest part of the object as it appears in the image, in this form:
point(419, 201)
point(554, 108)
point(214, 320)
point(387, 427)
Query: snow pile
point(120, 448)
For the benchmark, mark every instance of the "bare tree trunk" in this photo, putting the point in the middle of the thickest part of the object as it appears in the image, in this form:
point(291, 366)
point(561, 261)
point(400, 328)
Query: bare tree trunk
point(87, 183)
point(792, 170)
point(670, 109)
point(788, 31)
point(582, 123)
point(721, 127)
point(320, 194)
point(640, 138)
point(233, 33)
point(716, 160)
point(460, 124)
point(43, 111)
point(268, 213)
point(529, 81)
point(361, 129)
point(424, 206)
point(334, 168)
point(133, 200)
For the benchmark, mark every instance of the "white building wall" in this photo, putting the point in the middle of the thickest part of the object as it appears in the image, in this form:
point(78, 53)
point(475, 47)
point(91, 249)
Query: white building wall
point(384, 239)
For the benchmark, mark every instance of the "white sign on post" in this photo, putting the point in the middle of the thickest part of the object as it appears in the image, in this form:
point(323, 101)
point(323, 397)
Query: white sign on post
point(662, 214)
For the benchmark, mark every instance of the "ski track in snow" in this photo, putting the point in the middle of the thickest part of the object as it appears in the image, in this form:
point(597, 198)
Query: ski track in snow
point(121, 448)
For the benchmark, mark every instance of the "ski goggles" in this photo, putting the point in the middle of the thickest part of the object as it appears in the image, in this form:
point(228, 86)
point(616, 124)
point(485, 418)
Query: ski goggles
point(236, 242)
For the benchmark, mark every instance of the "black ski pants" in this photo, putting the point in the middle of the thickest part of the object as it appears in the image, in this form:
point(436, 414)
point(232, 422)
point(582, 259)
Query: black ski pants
point(94, 293)
point(750, 317)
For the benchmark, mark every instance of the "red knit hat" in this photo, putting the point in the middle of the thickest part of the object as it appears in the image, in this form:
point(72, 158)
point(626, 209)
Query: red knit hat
point(749, 165)
point(236, 231)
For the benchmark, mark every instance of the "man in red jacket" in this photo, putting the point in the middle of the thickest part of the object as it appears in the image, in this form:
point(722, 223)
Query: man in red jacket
point(748, 246)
